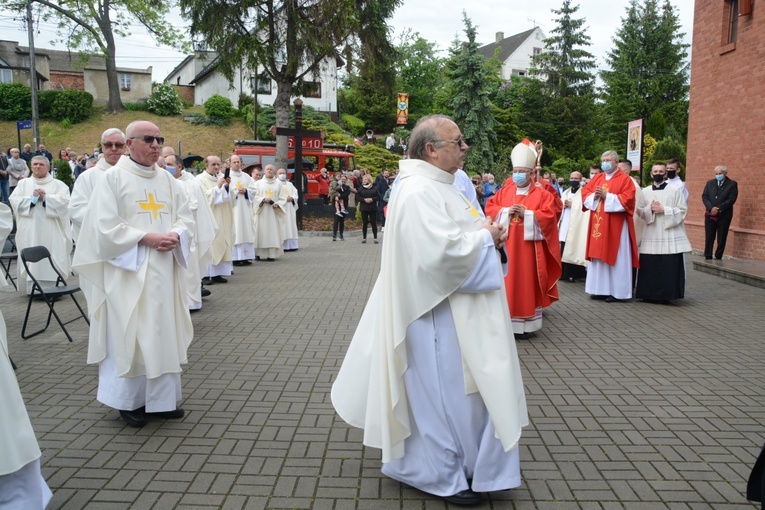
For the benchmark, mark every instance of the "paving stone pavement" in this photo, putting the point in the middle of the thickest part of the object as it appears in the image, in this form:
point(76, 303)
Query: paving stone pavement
point(632, 405)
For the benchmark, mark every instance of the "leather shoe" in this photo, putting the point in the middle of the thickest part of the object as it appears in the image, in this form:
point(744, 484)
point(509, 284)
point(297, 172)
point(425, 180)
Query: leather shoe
point(464, 498)
point(168, 415)
point(612, 299)
point(205, 292)
point(207, 281)
point(135, 418)
point(219, 279)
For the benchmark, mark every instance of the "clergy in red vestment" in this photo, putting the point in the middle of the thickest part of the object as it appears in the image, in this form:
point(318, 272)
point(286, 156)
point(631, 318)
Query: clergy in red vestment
point(611, 247)
point(533, 250)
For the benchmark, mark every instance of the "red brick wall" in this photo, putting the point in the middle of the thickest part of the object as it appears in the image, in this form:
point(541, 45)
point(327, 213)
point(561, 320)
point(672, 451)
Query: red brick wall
point(727, 122)
point(186, 93)
point(60, 80)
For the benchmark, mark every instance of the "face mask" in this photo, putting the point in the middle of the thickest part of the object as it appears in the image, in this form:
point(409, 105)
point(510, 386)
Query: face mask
point(95, 154)
point(282, 177)
point(606, 166)
point(671, 174)
point(573, 184)
point(658, 178)
point(491, 181)
point(519, 178)
point(170, 169)
point(719, 177)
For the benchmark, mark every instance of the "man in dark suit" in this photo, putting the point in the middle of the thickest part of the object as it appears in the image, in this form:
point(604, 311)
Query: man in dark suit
point(719, 196)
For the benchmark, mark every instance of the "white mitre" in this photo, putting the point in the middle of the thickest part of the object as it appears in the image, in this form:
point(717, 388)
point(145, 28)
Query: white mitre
point(523, 156)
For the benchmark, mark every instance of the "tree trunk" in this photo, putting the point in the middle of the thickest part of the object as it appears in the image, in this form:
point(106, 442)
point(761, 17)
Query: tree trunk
point(115, 102)
point(282, 110)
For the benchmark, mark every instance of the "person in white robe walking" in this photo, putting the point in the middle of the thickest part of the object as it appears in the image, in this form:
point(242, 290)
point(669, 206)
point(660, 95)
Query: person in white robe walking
point(133, 249)
point(432, 374)
point(270, 200)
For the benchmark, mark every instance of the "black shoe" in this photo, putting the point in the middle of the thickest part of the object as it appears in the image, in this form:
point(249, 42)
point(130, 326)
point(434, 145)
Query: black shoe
point(270, 259)
point(257, 257)
point(246, 262)
point(237, 263)
point(168, 415)
point(219, 279)
point(205, 292)
point(612, 299)
point(135, 418)
point(523, 336)
point(464, 498)
point(707, 258)
point(598, 297)
point(207, 281)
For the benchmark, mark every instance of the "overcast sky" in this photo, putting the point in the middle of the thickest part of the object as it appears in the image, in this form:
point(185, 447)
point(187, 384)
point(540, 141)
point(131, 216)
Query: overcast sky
point(436, 24)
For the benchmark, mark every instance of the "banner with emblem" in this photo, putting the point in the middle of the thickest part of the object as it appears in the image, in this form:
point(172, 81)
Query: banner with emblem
point(402, 108)
point(635, 144)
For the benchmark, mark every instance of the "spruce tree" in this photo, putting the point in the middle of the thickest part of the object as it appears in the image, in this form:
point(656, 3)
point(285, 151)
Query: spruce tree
point(471, 105)
point(648, 68)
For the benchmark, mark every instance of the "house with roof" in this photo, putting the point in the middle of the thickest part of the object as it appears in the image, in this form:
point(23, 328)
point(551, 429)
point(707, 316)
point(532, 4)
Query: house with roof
point(199, 72)
point(515, 52)
point(61, 69)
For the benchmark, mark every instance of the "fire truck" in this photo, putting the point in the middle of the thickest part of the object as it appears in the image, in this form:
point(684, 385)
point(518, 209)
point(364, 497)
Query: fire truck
point(316, 155)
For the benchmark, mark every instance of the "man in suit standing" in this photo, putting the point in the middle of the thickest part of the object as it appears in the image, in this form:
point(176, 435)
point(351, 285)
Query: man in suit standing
point(719, 196)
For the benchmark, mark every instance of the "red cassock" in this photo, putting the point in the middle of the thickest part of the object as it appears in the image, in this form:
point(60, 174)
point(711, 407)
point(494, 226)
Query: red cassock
point(605, 229)
point(533, 266)
point(545, 184)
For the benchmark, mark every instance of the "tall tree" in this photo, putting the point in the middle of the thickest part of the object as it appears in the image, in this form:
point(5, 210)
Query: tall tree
point(471, 103)
point(566, 65)
point(419, 73)
point(289, 39)
point(648, 68)
point(90, 26)
point(567, 69)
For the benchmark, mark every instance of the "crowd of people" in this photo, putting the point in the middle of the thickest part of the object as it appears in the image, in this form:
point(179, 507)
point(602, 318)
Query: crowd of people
point(430, 374)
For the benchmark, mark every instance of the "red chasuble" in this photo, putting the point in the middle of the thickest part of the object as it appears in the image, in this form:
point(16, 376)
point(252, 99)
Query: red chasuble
point(557, 203)
point(533, 266)
point(605, 229)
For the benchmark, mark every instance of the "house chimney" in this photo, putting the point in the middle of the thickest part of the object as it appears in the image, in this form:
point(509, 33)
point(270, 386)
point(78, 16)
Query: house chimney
point(499, 37)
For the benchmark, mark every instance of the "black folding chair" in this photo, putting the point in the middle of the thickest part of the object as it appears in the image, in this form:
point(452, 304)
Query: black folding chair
point(7, 258)
point(49, 294)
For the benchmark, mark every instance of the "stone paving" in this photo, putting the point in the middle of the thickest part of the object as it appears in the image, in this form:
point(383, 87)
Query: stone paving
point(632, 405)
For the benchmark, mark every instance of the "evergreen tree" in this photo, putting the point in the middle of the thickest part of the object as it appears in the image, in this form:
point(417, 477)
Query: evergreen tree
point(470, 81)
point(566, 65)
point(648, 72)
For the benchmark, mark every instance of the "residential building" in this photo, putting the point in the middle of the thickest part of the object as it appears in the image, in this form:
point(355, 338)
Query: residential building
point(515, 52)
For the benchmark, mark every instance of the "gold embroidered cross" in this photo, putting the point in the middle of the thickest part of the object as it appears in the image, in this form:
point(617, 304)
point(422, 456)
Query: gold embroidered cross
point(151, 206)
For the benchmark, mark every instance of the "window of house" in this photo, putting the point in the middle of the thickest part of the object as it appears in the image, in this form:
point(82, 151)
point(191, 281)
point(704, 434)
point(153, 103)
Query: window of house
point(537, 51)
point(312, 89)
point(126, 81)
point(262, 84)
point(6, 76)
point(732, 21)
point(519, 72)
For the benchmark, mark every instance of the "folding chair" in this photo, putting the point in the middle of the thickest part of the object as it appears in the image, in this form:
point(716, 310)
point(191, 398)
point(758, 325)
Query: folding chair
point(7, 258)
point(49, 294)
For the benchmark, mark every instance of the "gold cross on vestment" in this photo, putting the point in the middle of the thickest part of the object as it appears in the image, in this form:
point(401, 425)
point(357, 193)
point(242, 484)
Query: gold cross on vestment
point(151, 206)
point(270, 193)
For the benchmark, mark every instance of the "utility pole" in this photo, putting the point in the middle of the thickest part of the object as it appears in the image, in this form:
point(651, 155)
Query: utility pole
point(33, 77)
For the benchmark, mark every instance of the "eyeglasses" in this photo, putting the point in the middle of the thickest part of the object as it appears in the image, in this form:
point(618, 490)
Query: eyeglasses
point(116, 145)
point(148, 139)
point(459, 141)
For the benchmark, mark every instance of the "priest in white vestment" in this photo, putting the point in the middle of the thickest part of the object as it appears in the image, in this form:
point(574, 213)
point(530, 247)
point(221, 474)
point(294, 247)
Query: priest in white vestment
point(217, 189)
point(432, 374)
point(113, 148)
point(205, 230)
point(133, 248)
point(572, 231)
point(268, 216)
point(661, 277)
point(21, 483)
point(289, 225)
point(41, 206)
point(243, 194)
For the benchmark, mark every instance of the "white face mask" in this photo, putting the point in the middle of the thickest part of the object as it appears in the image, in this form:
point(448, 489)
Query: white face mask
point(282, 177)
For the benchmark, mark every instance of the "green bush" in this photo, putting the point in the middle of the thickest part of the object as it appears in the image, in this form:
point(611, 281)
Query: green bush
point(15, 101)
point(375, 158)
point(219, 107)
point(244, 100)
point(353, 124)
point(164, 100)
point(63, 172)
point(74, 105)
point(137, 106)
point(45, 100)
